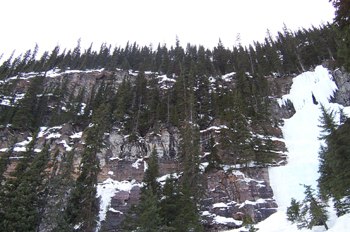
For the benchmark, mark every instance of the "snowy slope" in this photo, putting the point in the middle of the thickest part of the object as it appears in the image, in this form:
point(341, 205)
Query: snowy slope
point(300, 133)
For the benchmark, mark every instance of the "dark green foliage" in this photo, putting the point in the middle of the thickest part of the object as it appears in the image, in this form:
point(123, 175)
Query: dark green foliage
point(213, 158)
point(61, 182)
point(24, 193)
point(170, 203)
point(151, 174)
point(83, 206)
point(308, 213)
point(249, 224)
point(192, 181)
point(30, 109)
point(4, 160)
point(148, 212)
point(343, 26)
point(334, 161)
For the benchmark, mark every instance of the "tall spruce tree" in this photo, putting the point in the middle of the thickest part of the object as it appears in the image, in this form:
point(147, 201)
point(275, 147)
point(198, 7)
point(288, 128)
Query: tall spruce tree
point(148, 211)
point(308, 213)
point(61, 182)
point(24, 193)
point(334, 162)
point(83, 205)
point(192, 182)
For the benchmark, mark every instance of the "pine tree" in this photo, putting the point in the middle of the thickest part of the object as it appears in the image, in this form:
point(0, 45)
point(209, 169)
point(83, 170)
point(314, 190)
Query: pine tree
point(169, 203)
point(342, 21)
point(146, 215)
point(61, 182)
point(25, 117)
point(24, 193)
point(5, 161)
point(192, 182)
point(213, 158)
point(308, 213)
point(148, 218)
point(151, 174)
point(334, 163)
point(83, 205)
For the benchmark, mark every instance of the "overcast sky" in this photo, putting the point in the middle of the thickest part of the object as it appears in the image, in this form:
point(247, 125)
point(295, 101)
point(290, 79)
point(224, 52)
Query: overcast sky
point(63, 22)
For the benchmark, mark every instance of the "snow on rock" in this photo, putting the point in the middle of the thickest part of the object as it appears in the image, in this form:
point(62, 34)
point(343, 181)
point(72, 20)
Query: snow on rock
point(220, 205)
point(49, 132)
point(137, 163)
point(57, 72)
point(107, 189)
point(68, 148)
point(203, 166)
point(19, 149)
point(164, 78)
point(162, 179)
point(21, 146)
point(54, 136)
point(259, 201)
point(77, 135)
point(214, 128)
point(115, 211)
point(228, 77)
point(224, 220)
point(145, 166)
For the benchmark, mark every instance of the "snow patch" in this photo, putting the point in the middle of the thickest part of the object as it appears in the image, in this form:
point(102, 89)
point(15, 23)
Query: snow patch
point(77, 135)
point(220, 205)
point(65, 145)
point(137, 163)
point(224, 220)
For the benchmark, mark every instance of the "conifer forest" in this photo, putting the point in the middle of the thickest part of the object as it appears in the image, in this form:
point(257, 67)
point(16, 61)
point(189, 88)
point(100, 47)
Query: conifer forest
point(186, 89)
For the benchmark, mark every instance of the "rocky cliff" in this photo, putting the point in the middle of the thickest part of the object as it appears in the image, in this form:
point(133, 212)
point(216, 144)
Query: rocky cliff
point(231, 193)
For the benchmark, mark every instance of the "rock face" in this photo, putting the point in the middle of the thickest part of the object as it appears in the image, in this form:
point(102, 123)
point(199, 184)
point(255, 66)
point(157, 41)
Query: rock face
point(342, 96)
point(237, 194)
point(232, 193)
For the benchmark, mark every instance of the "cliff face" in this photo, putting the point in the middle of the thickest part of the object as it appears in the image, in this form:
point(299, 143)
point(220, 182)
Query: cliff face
point(342, 96)
point(231, 193)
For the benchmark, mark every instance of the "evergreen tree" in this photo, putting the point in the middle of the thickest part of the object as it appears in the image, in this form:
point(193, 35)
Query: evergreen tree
point(213, 158)
point(192, 182)
point(308, 213)
point(169, 203)
point(150, 178)
point(5, 161)
point(334, 162)
point(25, 117)
point(83, 206)
point(61, 182)
point(342, 21)
point(148, 218)
point(24, 193)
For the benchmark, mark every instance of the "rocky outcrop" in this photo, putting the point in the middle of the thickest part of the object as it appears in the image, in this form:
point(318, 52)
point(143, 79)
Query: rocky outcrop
point(232, 193)
point(342, 95)
point(236, 194)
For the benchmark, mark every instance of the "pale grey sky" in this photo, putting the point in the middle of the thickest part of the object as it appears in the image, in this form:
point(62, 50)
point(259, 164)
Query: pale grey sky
point(48, 23)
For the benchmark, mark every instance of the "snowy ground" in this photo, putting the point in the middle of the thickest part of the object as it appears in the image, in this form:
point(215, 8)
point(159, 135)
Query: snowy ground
point(300, 133)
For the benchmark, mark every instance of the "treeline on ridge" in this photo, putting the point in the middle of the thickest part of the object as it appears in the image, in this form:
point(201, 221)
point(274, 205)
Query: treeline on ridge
point(289, 52)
